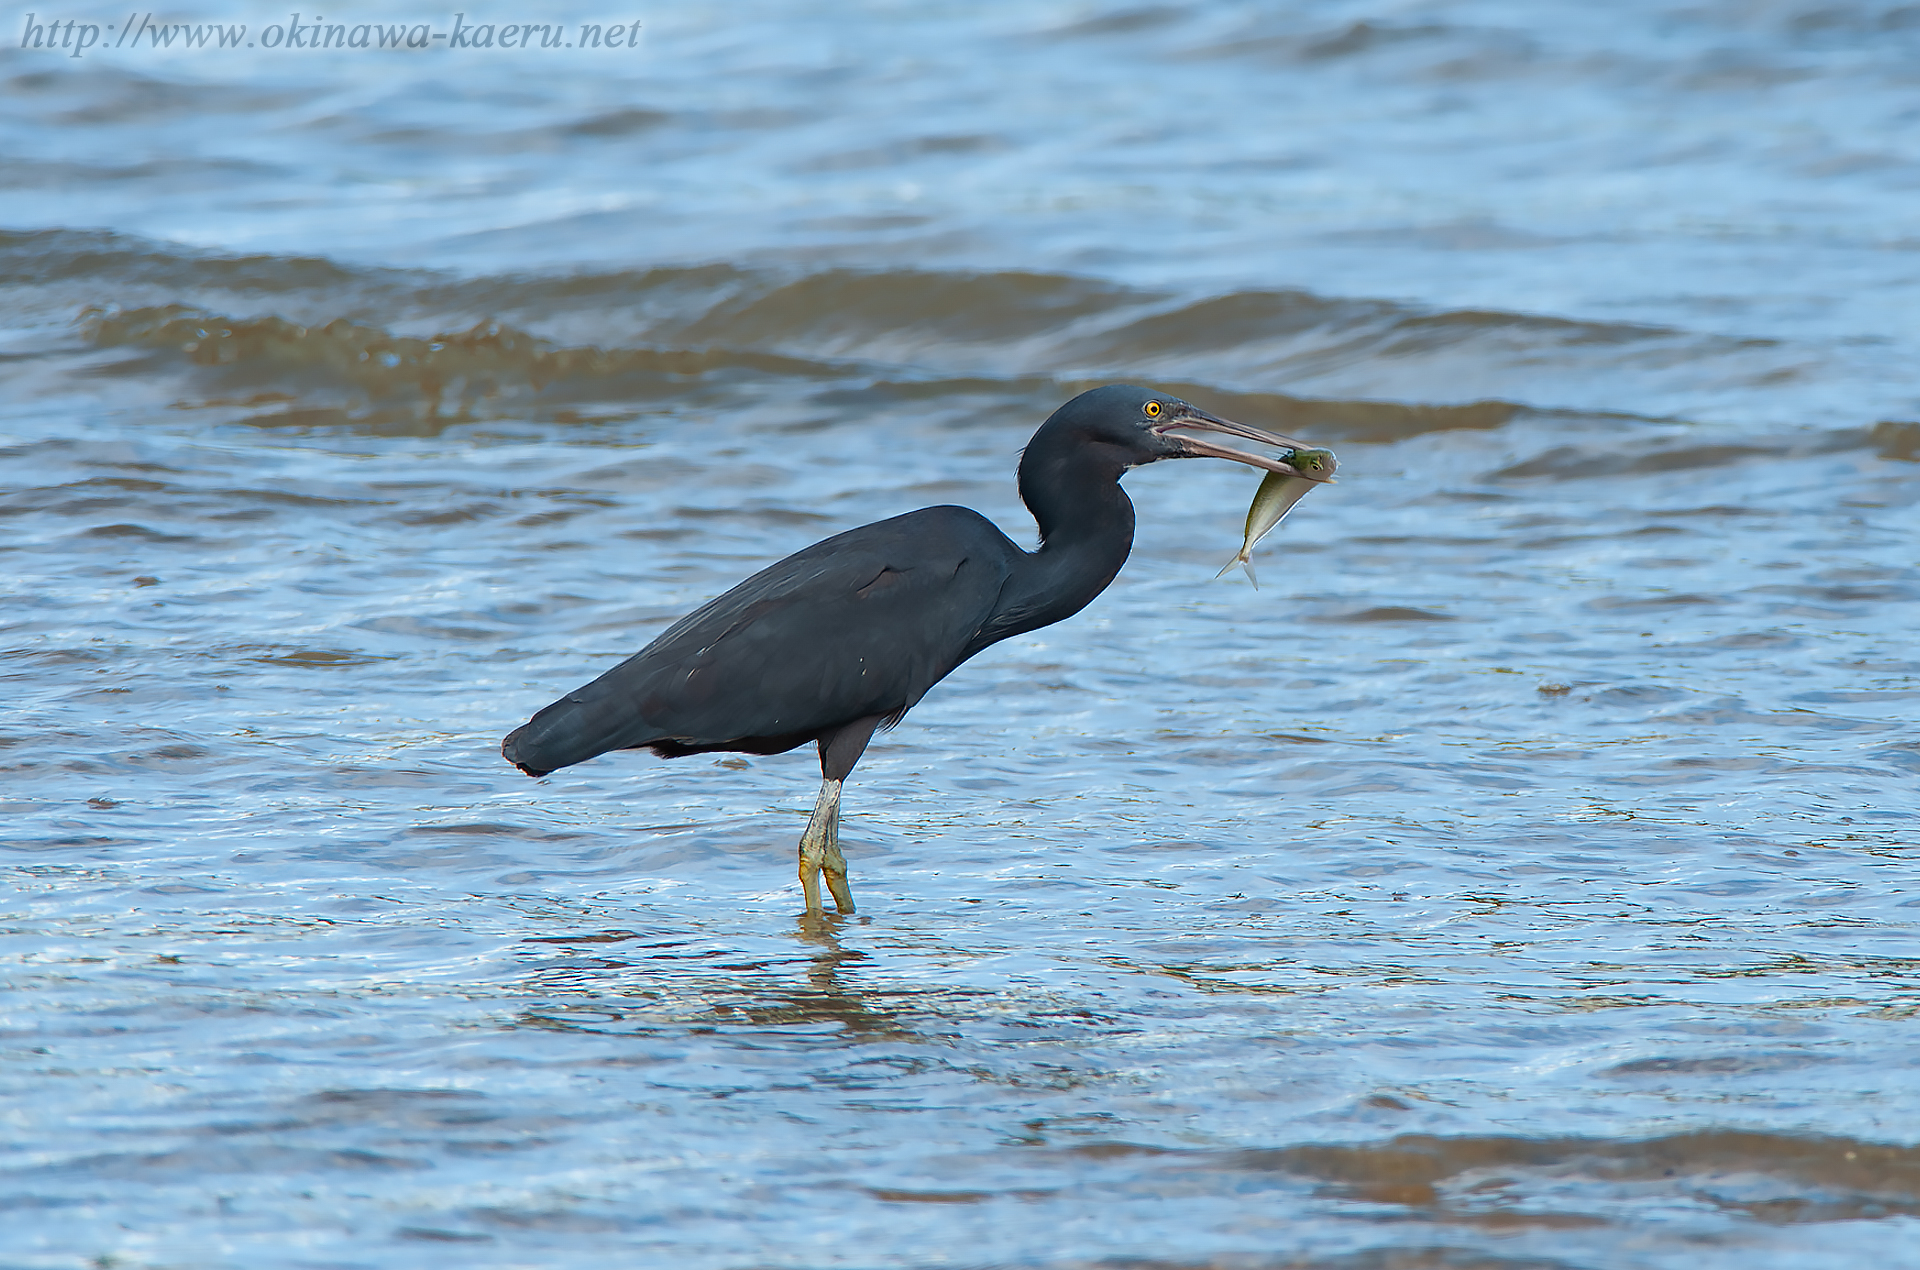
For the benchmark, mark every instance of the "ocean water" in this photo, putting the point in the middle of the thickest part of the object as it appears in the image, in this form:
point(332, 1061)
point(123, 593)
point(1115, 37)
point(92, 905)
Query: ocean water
point(1521, 879)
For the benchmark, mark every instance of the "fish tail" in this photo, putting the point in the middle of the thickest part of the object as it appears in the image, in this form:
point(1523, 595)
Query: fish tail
point(1245, 561)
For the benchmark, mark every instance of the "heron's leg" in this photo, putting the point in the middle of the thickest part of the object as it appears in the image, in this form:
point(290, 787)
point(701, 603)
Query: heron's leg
point(819, 848)
point(840, 749)
point(834, 865)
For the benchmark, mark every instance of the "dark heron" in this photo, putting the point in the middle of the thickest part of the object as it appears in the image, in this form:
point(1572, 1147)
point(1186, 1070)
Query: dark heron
point(847, 635)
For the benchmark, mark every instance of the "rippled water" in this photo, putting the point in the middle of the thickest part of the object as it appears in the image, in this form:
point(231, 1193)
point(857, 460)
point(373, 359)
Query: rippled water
point(1523, 878)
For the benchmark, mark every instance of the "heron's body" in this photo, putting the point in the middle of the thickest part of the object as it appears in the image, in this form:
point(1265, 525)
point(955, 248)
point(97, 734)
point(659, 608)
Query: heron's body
point(850, 633)
point(858, 626)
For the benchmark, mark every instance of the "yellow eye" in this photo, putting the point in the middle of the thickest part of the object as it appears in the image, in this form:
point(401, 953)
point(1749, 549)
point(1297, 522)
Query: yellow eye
point(1153, 409)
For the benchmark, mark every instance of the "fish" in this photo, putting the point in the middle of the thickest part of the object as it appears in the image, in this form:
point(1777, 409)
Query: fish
point(1275, 498)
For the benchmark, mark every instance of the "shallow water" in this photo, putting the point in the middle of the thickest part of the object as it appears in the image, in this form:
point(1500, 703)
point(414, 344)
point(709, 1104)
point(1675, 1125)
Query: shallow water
point(1521, 878)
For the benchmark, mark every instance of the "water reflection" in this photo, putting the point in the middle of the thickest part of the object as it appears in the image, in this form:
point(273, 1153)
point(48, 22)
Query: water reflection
point(622, 982)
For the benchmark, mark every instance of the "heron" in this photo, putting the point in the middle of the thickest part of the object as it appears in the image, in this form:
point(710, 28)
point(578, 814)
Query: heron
point(849, 634)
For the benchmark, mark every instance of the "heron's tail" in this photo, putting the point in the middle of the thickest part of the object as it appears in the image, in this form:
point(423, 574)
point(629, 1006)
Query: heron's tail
point(572, 730)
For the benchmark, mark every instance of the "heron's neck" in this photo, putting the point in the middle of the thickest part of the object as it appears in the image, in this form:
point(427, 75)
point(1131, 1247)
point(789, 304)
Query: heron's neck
point(1086, 530)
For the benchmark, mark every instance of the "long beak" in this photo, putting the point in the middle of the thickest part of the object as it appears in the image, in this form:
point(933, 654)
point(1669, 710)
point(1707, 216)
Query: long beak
point(1193, 419)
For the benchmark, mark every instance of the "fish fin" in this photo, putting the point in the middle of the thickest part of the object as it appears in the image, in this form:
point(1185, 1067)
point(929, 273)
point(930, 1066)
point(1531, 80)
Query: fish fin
point(1227, 568)
point(1252, 577)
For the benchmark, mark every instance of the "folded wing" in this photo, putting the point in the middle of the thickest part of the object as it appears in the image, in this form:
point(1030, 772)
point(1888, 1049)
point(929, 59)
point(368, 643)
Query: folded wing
point(858, 625)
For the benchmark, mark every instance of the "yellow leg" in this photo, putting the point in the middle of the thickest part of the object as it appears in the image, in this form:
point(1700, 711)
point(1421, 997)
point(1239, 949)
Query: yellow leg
point(834, 866)
point(820, 851)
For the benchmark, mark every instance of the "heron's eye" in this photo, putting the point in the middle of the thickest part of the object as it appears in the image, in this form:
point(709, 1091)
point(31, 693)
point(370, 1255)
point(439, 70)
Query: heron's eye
point(1153, 410)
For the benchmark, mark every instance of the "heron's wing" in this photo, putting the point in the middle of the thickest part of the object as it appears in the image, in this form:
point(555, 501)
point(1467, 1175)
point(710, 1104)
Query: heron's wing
point(858, 625)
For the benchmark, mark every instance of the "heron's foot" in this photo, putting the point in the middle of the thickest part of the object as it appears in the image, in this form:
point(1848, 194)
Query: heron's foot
point(811, 860)
point(820, 854)
point(836, 873)
point(834, 866)
point(820, 850)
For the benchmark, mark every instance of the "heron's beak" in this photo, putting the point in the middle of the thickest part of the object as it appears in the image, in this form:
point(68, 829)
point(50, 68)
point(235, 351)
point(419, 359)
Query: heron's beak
point(1187, 418)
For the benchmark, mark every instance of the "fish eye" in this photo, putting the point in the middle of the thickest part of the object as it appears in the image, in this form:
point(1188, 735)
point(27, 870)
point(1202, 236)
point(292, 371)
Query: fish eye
point(1153, 409)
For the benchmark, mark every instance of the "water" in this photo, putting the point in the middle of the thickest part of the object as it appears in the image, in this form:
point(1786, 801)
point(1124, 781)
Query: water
point(1522, 878)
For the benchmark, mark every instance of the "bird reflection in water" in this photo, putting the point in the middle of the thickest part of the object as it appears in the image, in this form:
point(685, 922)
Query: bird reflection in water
point(598, 986)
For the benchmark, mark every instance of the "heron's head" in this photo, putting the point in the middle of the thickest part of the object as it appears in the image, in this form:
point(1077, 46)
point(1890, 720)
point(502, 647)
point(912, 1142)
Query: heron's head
point(1145, 426)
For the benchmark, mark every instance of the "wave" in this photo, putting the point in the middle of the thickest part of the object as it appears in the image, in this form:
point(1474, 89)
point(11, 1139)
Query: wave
point(100, 258)
point(345, 372)
point(1572, 462)
point(349, 345)
point(1816, 1178)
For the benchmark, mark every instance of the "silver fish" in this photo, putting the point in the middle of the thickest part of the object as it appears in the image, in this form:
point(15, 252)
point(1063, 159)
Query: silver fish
point(1275, 498)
